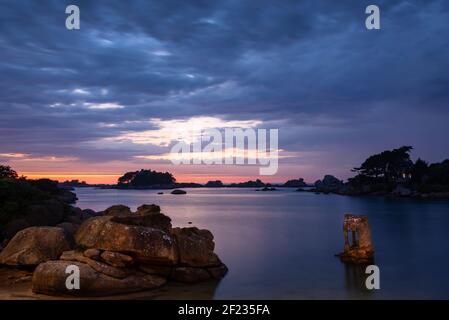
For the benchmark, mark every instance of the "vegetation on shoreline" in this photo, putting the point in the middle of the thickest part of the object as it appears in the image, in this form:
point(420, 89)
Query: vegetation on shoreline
point(388, 172)
point(24, 201)
point(392, 172)
point(145, 178)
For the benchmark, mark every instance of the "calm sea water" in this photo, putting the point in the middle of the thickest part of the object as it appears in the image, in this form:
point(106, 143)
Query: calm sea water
point(281, 245)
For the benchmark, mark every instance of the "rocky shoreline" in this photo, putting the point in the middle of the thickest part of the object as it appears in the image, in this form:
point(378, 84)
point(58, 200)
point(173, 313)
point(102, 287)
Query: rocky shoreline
point(332, 185)
point(116, 252)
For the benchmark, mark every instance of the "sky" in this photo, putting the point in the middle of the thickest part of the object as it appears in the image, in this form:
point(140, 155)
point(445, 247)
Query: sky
point(93, 103)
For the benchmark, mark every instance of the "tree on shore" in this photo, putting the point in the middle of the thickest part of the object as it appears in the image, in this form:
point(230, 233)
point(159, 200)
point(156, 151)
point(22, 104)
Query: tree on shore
point(438, 173)
point(214, 184)
point(146, 178)
point(389, 165)
point(419, 171)
point(7, 172)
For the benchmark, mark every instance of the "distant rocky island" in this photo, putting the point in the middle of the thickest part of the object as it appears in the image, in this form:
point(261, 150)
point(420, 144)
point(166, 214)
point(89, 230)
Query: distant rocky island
point(392, 173)
point(150, 179)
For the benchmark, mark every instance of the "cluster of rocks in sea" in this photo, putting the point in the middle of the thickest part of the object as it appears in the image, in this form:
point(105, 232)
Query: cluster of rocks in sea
point(267, 189)
point(330, 184)
point(117, 251)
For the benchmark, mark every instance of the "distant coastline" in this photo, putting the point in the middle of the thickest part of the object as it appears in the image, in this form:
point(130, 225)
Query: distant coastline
point(390, 173)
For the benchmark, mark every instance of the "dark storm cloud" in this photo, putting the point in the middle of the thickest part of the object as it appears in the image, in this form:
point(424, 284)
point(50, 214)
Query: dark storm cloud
point(309, 67)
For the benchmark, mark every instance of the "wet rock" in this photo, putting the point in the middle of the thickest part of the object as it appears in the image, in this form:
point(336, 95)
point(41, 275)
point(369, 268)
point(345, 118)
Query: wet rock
point(188, 274)
point(92, 254)
point(34, 245)
point(178, 191)
point(196, 247)
point(50, 278)
point(146, 219)
point(69, 231)
point(103, 267)
point(125, 252)
point(163, 271)
point(117, 210)
point(144, 244)
point(68, 255)
point(218, 272)
point(148, 208)
point(116, 259)
point(96, 265)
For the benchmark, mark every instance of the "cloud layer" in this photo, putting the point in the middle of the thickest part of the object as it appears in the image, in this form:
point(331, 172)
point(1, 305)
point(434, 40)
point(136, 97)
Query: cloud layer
point(336, 91)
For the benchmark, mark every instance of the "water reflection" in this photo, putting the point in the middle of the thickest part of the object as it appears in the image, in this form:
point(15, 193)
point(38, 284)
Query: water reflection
point(281, 245)
point(355, 278)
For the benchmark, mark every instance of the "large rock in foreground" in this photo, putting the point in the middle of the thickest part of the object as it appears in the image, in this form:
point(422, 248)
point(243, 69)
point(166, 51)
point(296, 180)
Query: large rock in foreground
point(34, 245)
point(124, 252)
point(145, 244)
point(50, 278)
point(196, 247)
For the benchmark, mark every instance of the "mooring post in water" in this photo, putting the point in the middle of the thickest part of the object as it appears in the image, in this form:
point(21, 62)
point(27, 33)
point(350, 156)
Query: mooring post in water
point(361, 249)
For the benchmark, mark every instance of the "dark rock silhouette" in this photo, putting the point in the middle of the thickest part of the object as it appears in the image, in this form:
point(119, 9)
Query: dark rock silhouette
point(268, 189)
point(178, 191)
point(214, 184)
point(295, 183)
point(249, 184)
point(328, 184)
